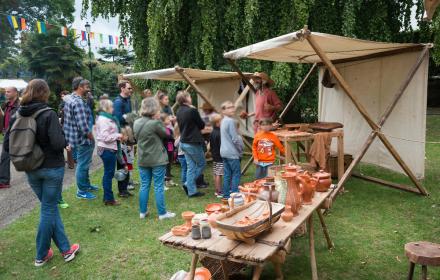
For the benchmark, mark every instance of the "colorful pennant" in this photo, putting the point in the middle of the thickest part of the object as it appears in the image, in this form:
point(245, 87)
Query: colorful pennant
point(23, 24)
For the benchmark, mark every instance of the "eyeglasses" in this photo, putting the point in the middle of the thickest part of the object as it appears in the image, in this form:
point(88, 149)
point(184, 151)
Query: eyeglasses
point(229, 107)
point(130, 88)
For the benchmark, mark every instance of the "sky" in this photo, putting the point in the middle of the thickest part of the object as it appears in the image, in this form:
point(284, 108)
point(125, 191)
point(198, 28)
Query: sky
point(98, 25)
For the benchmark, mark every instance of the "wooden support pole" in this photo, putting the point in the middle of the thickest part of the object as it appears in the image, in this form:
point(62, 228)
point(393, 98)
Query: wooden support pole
point(192, 271)
point(245, 79)
point(297, 91)
point(242, 96)
point(330, 244)
point(312, 248)
point(376, 128)
point(386, 183)
point(247, 165)
point(194, 86)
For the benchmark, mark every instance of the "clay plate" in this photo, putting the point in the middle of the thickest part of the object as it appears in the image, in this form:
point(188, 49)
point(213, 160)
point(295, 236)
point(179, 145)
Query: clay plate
point(212, 208)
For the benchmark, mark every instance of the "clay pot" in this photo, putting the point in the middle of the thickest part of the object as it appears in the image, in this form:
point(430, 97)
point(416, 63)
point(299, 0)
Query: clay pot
point(236, 199)
point(225, 205)
point(270, 179)
point(259, 184)
point(293, 198)
point(324, 181)
point(212, 208)
point(292, 168)
point(275, 193)
point(187, 216)
point(308, 187)
point(248, 188)
point(269, 192)
point(287, 215)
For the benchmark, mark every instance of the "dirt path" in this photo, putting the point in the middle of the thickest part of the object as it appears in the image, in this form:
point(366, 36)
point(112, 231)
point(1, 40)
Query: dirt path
point(20, 199)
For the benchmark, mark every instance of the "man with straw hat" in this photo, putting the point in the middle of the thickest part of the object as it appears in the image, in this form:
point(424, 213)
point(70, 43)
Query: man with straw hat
point(267, 102)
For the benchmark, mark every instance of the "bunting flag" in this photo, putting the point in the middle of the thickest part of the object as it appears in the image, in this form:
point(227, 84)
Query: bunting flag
point(43, 27)
point(125, 42)
point(101, 38)
point(74, 33)
point(92, 35)
point(116, 40)
point(10, 21)
point(83, 36)
point(64, 31)
point(110, 39)
point(39, 27)
point(23, 24)
point(13, 22)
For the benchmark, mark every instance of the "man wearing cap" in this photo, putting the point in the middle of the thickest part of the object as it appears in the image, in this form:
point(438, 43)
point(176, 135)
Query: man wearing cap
point(267, 103)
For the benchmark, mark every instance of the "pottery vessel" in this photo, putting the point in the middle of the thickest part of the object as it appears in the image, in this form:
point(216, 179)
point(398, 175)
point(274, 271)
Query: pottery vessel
point(236, 199)
point(308, 185)
point(187, 216)
point(287, 215)
point(248, 189)
point(212, 208)
point(269, 193)
point(293, 198)
point(225, 205)
point(324, 181)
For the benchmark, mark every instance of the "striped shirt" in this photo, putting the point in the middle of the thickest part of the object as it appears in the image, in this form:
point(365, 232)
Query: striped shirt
point(76, 121)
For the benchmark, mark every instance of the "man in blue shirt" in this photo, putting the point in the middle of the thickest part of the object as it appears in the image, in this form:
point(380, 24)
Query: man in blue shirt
point(79, 135)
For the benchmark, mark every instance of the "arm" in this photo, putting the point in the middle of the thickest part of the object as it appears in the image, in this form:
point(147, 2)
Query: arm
point(275, 101)
point(197, 119)
point(254, 149)
point(117, 110)
point(55, 132)
point(105, 133)
point(236, 138)
point(278, 144)
point(160, 130)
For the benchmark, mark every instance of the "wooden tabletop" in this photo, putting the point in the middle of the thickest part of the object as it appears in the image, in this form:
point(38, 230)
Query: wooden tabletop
point(218, 246)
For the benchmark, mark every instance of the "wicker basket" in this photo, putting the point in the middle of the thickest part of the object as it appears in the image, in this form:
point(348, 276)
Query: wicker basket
point(226, 222)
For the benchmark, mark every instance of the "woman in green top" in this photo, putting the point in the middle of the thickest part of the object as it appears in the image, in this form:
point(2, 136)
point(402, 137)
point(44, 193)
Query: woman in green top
point(152, 157)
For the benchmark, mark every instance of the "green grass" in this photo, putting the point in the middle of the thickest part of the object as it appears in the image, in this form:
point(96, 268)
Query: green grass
point(369, 225)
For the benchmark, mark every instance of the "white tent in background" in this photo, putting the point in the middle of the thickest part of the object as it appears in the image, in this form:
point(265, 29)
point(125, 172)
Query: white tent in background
point(380, 92)
point(213, 87)
point(18, 83)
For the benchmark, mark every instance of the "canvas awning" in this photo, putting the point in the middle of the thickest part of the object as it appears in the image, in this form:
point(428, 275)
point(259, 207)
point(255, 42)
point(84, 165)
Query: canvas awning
point(171, 74)
point(430, 7)
point(18, 83)
point(294, 48)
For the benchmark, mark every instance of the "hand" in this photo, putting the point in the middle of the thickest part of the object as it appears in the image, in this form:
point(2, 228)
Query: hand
point(90, 136)
point(255, 161)
point(68, 148)
point(268, 108)
point(243, 115)
point(126, 168)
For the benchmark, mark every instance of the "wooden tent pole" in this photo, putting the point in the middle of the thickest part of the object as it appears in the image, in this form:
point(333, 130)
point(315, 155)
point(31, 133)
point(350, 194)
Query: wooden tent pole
point(193, 85)
point(242, 96)
point(297, 90)
point(364, 113)
point(236, 69)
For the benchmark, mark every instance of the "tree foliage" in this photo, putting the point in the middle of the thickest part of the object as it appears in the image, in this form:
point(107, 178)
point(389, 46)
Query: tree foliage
point(117, 55)
point(195, 33)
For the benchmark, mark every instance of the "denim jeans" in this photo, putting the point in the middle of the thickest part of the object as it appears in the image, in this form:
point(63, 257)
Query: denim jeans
point(5, 167)
point(232, 174)
point(109, 159)
point(195, 159)
point(74, 154)
point(182, 161)
point(84, 153)
point(47, 184)
point(156, 173)
point(261, 171)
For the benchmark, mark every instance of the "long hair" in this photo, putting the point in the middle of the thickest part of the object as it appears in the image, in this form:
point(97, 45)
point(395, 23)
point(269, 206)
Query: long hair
point(36, 90)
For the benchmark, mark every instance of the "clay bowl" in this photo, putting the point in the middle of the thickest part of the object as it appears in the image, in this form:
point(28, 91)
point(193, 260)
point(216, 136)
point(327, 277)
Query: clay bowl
point(180, 231)
point(212, 208)
point(201, 274)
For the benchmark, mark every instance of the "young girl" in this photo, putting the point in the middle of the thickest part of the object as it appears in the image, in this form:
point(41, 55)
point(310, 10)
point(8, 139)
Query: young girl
point(217, 164)
point(169, 145)
point(108, 135)
point(180, 155)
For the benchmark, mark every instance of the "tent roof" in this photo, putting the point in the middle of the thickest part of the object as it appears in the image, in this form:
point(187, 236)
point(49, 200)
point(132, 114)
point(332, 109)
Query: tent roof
point(294, 48)
point(18, 83)
point(172, 74)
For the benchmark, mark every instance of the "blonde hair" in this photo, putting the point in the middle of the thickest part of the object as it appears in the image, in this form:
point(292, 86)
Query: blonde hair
point(215, 118)
point(105, 105)
point(181, 97)
point(149, 107)
point(225, 104)
point(36, 90)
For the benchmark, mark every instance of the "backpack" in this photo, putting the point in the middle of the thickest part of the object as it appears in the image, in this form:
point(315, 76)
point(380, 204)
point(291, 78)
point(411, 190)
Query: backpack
point(25, 153)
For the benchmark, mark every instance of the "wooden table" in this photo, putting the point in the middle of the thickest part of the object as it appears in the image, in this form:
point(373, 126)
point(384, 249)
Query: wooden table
point(287, 137)
point(266, 246)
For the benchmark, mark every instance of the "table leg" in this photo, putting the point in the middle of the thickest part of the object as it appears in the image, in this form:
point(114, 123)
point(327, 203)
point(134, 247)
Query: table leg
point(411, 270)
point(287, 152)
point(192, 270)
point(278, 270)
point(330, 244)
point(225, 272)
point(312, 248)
point(257, 272)
point(424, 272)
point(340, 157)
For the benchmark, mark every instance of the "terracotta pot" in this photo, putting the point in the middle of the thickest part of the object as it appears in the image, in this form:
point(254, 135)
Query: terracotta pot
point(225, 205)
point(324, 181)
point(212, 208)
point(269, 192)
point(270, 179)
point(275, 193)
point(292, 168)
point(187, 216)
point(180, 231)
point(308, 188)
point(293, 199)
point(259, 184)
point(287, 215)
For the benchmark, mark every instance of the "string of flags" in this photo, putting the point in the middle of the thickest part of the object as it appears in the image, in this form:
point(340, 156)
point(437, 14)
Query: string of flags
point(42, 27)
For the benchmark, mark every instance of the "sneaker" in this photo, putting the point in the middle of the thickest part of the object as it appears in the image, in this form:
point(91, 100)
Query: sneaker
point(92, 188)
point(143, 215)
point(70, 254)
point(167, 215)
point(63, 204)
point(46, 258)
point(4, 185)
point(130, 187)
point(218, 194)
point(185, 189)
point(203, 186)
point(166, 188)
point(197, 194)
point(85, 195)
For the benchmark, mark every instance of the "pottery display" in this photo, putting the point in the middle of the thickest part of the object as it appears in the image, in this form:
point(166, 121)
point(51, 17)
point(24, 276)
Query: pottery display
point(195, 232)
point(292, 168)
point(287, 215)
point(293, 197)
point(180, 231)
point(236, 199)
point(308, 185)
point(187, 216)
point(281, 187)
point(248, 189)
point(269, 192)
point(212, 208)
point(324, 181)
point(225, 205)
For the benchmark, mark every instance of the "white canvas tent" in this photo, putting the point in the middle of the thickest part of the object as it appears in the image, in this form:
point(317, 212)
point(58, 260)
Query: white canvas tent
point(213, 87)
point(18, 83)
point(373, 79)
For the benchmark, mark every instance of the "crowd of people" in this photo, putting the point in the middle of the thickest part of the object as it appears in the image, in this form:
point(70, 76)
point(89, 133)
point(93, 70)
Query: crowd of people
point(161, 138)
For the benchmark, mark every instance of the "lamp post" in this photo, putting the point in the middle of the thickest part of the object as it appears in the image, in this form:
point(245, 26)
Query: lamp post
point(90, 55)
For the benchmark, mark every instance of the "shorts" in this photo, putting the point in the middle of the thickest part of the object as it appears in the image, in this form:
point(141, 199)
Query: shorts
point(217, 168)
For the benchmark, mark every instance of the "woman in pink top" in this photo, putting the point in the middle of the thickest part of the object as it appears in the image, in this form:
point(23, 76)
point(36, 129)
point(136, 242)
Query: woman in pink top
point(107, 135)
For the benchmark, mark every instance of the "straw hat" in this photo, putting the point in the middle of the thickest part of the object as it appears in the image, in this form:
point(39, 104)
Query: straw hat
point(264, 77)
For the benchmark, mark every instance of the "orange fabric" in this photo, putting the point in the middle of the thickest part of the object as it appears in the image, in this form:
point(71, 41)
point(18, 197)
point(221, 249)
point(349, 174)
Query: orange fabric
point(263, 147)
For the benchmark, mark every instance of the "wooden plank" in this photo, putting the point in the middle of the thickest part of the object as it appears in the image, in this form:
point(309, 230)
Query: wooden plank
point(242, 96)
point(386, 183)
point(257, 252)
point(222, 247)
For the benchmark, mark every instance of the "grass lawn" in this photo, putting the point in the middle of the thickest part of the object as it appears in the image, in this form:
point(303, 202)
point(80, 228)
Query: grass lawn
point(369, 225)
